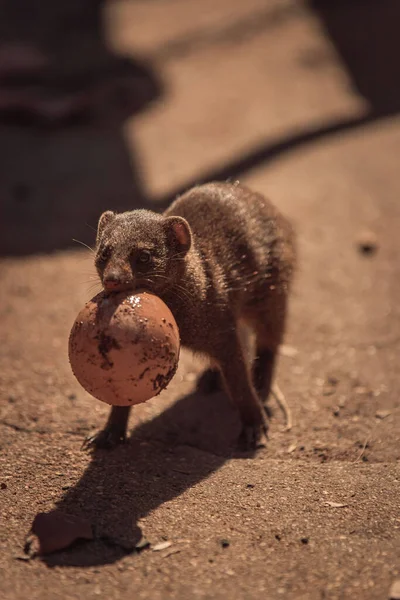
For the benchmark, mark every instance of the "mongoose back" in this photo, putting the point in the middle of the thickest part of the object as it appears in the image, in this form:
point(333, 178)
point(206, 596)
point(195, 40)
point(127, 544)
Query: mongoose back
point(221, 254)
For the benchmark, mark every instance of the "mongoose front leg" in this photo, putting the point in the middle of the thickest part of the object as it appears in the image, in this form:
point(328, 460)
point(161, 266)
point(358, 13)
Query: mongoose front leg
point(237, 380)
point(114, 432)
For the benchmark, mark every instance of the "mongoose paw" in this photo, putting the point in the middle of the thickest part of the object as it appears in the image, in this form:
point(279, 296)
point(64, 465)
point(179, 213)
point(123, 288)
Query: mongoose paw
point(253, 437)
point(106, 439)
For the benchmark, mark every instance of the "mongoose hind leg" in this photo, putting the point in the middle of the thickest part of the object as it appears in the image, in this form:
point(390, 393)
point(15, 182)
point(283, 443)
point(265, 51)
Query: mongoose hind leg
point(269, 335)
point(236, 375)
point(263, 372)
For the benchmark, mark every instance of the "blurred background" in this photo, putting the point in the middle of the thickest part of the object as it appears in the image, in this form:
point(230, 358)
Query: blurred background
point(125, 103)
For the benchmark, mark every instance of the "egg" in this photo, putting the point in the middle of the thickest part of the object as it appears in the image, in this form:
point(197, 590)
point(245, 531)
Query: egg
point(124, 348)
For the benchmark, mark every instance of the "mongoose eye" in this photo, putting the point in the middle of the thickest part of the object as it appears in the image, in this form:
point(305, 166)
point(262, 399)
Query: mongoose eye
point(144, 257)
point(105, 253)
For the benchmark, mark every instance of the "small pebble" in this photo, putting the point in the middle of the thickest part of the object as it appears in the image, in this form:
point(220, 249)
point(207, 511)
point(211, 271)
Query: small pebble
point(336, 504)
point(288, 351)
point(382, 414)
point(161, 546)
point(367, 243)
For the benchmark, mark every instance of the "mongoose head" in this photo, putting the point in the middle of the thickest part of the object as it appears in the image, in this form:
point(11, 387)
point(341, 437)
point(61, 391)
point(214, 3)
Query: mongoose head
point(141, 250)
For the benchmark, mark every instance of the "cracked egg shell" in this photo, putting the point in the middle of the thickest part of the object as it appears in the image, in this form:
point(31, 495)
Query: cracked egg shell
point(124, 349)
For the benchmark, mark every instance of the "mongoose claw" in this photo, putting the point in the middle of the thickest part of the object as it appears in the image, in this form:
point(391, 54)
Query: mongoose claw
point(106, 439)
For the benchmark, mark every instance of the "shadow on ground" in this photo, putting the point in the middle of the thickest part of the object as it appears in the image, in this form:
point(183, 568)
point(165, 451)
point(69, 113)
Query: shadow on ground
point(54, 187)
point(364, 34)
point(163, 458)
point(63, 157)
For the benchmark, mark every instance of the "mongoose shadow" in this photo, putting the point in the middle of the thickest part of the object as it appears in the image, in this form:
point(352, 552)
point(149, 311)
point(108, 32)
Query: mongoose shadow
point(163, 458)
point(63, 155)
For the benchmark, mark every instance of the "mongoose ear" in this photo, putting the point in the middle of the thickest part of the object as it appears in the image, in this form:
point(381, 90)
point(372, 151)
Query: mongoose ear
point(104, 220)
point(179, 233)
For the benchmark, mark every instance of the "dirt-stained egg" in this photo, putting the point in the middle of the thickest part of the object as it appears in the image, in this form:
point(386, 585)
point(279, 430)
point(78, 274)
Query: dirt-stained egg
point(124, 348)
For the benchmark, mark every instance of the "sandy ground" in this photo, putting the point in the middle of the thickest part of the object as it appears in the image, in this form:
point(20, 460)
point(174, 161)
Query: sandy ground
point(284, 96)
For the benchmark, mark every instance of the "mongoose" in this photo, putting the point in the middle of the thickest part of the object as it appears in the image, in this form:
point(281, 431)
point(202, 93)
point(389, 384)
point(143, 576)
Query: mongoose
point(220, 255)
